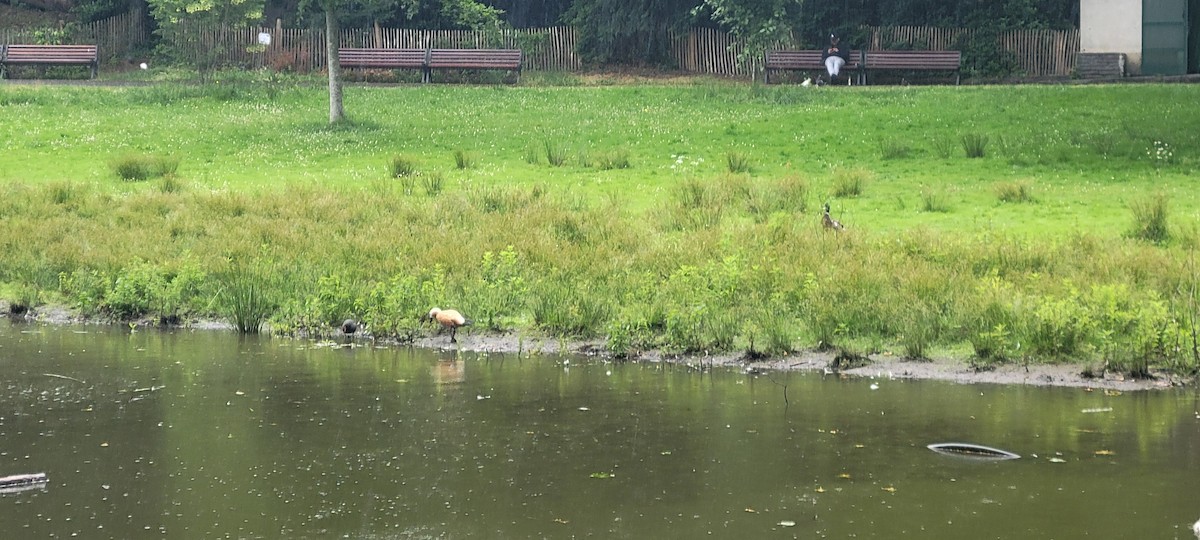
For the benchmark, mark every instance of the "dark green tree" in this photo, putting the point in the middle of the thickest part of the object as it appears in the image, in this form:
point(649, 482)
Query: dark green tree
point(629, 32)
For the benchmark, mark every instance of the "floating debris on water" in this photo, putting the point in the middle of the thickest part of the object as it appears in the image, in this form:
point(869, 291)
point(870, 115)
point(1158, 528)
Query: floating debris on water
point(972, 451)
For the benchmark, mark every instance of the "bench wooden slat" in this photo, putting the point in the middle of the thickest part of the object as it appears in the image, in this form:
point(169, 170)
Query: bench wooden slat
point(914, 61)
point(804, 60)
point(19, 54)
point(429, 59)
point(382, 58)
point(475, 58)
point(505, 59)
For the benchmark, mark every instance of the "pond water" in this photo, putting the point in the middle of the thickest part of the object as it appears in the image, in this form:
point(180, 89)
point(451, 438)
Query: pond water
point(203, 434)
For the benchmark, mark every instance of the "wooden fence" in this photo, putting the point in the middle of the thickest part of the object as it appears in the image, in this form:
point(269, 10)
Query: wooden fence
point(701, 50)
point(114, 37)
point(546, 49)
point(1038, 52)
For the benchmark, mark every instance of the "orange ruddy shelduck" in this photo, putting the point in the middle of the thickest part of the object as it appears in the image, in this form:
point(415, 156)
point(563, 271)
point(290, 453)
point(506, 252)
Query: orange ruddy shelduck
point(449, 318)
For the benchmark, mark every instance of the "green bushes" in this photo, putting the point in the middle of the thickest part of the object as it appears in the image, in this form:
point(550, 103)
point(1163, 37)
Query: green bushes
point(139, 290)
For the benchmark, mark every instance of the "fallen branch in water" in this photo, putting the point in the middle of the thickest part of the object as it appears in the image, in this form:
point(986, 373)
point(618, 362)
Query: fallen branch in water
point(57, 376)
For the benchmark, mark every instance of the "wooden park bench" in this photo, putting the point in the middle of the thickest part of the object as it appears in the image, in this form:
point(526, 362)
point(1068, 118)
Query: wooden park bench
point(428, 60)
point(499, 59)
point(806, 60)
point(353, 57)
point(914, 61)
point(22, 55)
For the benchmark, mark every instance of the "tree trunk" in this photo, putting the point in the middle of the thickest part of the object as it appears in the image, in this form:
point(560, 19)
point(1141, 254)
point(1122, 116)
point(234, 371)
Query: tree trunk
point(336, 112)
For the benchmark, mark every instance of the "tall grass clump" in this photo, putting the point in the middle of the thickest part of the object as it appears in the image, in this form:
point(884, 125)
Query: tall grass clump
point(433, 182)
point(247, 296)
point(584, 158)
point(893, 149)
point(1150, 219)
point(737, 162)
point(942, 147)
point(556, 154)
point(849, 182)
point(463, 159)
point(63, 193)
point(562, 308)
point(994, 324)
point(1014, 192)
point(402, 167)
point(698, 205)
point(170, 184)
point(787, 194)
point(974, 144)
point(137, 167)
point(934, 201)
point(617, 158)
point(532, 154)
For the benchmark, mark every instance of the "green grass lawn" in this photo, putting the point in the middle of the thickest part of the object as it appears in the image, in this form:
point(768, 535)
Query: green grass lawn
point(679, 215)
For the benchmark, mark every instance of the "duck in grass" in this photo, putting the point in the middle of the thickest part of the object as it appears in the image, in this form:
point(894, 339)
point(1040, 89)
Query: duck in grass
point(449, 318)
point(829, 222)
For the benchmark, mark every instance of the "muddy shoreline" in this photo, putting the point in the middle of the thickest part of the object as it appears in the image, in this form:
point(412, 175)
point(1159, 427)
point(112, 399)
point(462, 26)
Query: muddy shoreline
point(1067, 375)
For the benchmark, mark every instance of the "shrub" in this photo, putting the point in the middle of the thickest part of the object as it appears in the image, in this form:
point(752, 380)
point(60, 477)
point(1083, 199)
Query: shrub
point(1060, 328)
point(501, 288)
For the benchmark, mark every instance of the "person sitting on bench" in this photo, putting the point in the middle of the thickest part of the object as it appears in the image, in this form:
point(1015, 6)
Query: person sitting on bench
point(834, 57)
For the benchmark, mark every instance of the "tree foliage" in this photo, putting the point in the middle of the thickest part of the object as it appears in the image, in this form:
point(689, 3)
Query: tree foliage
point(627, 31)
point(182, 20)
point(756, 23)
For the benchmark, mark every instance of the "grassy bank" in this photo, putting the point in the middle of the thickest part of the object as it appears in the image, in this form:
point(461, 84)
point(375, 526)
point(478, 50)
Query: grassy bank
point(683, 218)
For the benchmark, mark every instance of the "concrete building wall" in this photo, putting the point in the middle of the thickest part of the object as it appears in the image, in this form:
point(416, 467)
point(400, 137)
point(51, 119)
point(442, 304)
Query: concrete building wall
point(1112, 26)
